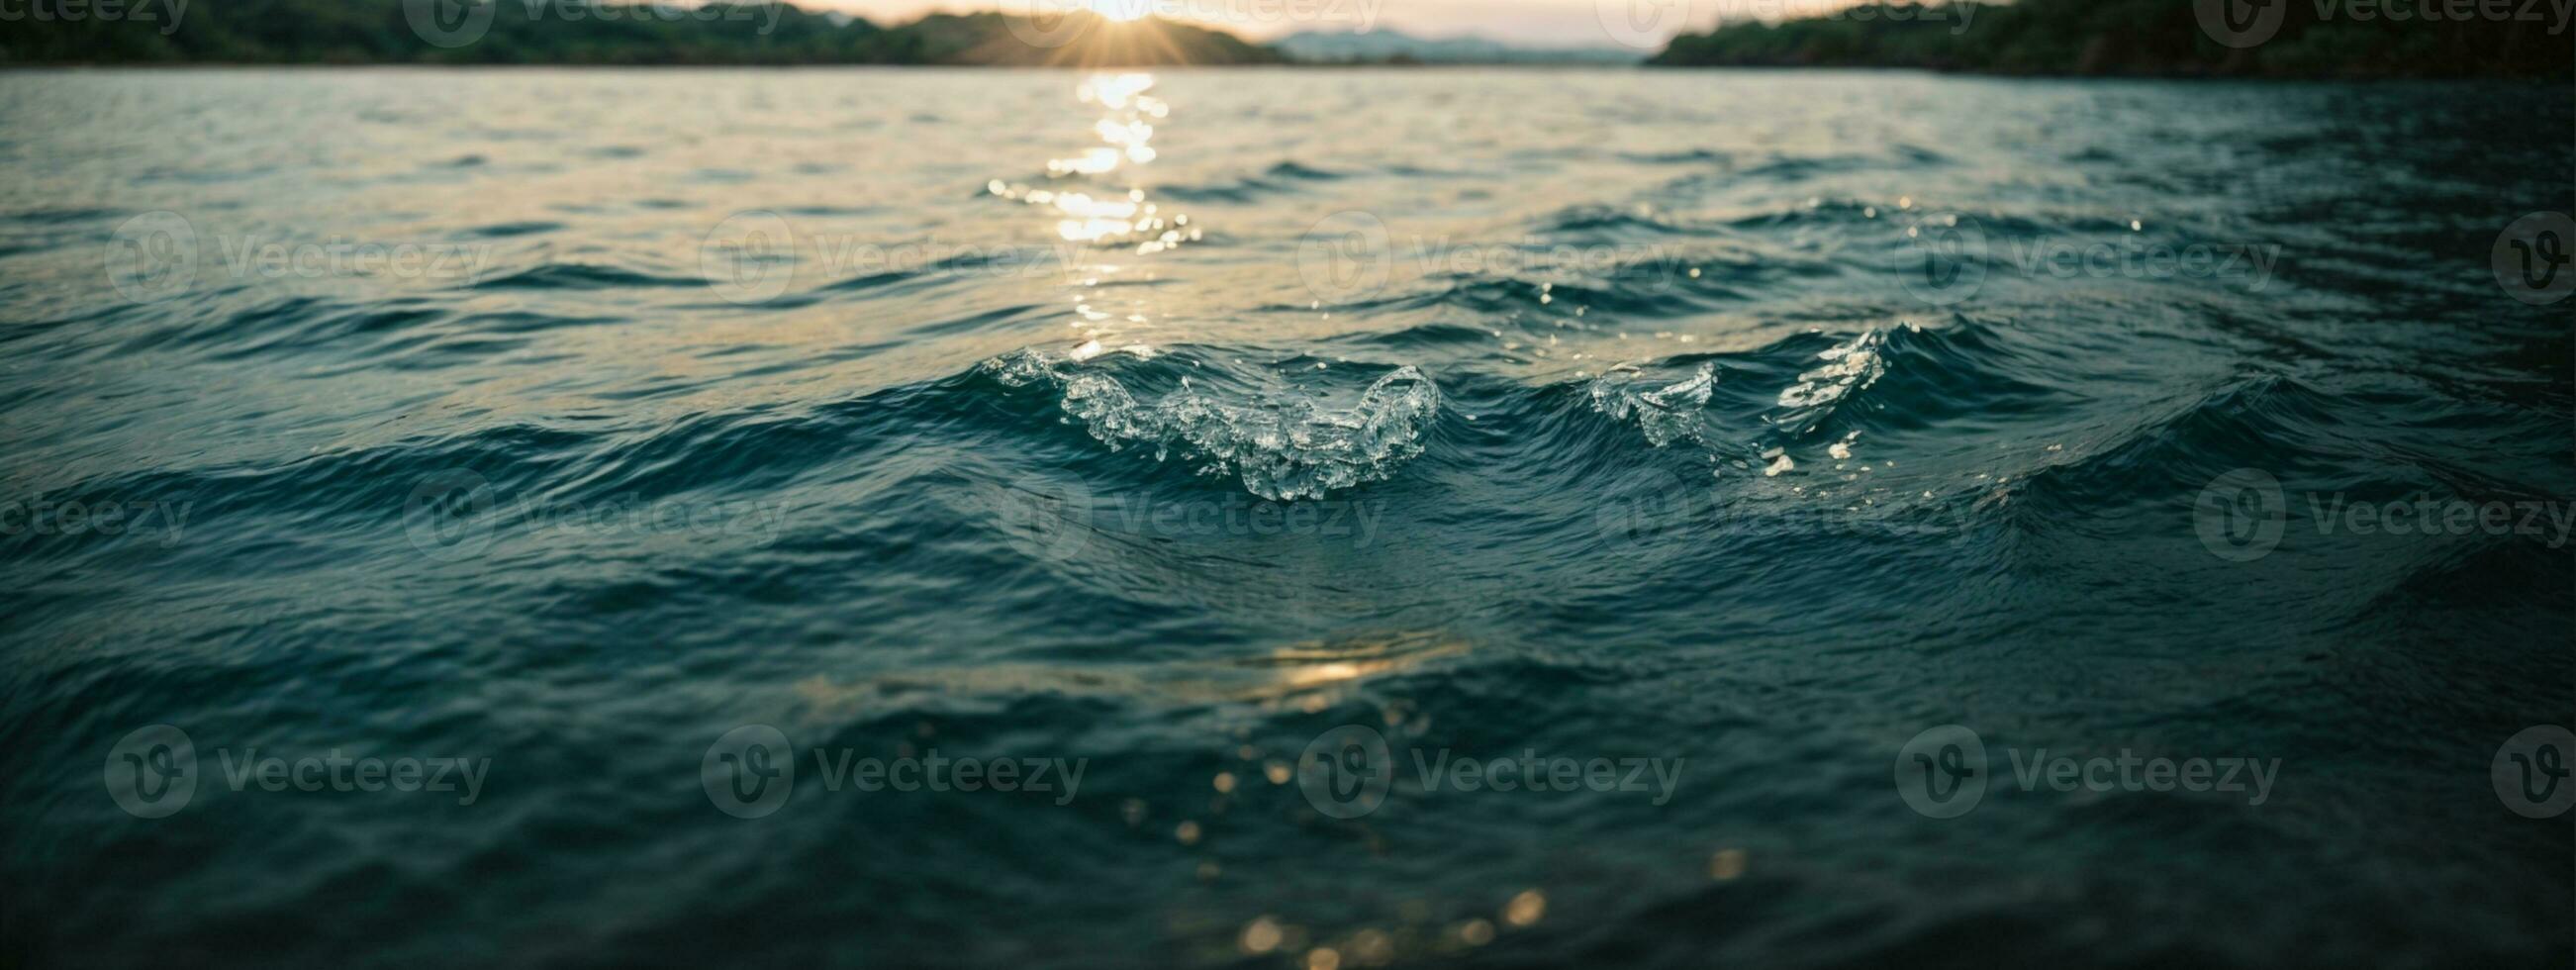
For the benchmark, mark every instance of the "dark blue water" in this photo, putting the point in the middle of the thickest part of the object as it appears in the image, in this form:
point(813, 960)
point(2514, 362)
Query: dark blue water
point(1236, 455)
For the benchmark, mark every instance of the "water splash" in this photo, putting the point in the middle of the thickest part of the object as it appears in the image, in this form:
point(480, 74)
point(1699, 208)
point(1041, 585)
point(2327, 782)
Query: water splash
point(1849, 366)
point(1282, 447)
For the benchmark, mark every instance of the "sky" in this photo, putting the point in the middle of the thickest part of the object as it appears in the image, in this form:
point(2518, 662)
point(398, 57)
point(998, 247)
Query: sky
point(1550, 23)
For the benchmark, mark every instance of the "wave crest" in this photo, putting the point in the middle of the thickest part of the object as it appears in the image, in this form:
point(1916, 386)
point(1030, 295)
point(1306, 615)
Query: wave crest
point(1283, 448)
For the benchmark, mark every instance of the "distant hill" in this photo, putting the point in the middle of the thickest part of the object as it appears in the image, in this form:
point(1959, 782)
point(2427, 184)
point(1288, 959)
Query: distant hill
point(1385, 46)
point(2141, 38)
point(518, 32)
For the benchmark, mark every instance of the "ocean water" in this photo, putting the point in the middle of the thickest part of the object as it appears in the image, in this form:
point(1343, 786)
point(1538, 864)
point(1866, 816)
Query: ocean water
point(1411, 518)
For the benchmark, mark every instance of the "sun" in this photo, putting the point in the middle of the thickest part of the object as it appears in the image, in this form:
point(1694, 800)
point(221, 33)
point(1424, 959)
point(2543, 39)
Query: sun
point(1122, 11)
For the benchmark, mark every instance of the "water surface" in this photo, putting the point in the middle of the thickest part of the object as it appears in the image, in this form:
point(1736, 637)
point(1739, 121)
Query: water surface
point(1754, 423)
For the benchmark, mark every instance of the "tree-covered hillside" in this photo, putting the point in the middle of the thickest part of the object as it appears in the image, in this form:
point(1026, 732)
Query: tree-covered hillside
point(2272, 38)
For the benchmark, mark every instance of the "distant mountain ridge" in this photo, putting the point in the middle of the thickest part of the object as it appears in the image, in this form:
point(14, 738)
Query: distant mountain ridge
point(518, 32)
point(1380, 46)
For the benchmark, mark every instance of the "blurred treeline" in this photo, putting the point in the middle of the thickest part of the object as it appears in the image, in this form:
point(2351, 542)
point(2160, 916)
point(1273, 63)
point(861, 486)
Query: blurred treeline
point(590, 33)
point(2155, 37)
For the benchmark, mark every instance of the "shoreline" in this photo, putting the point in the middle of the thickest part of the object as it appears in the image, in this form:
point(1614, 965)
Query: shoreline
point(1641, 68)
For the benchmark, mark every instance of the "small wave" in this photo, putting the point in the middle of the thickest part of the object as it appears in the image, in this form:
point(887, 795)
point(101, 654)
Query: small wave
point(1668, 414)
point(1279, 178)
point(507, 229)
point(576, 276)
point(1281, 447)
point(1849, 366)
